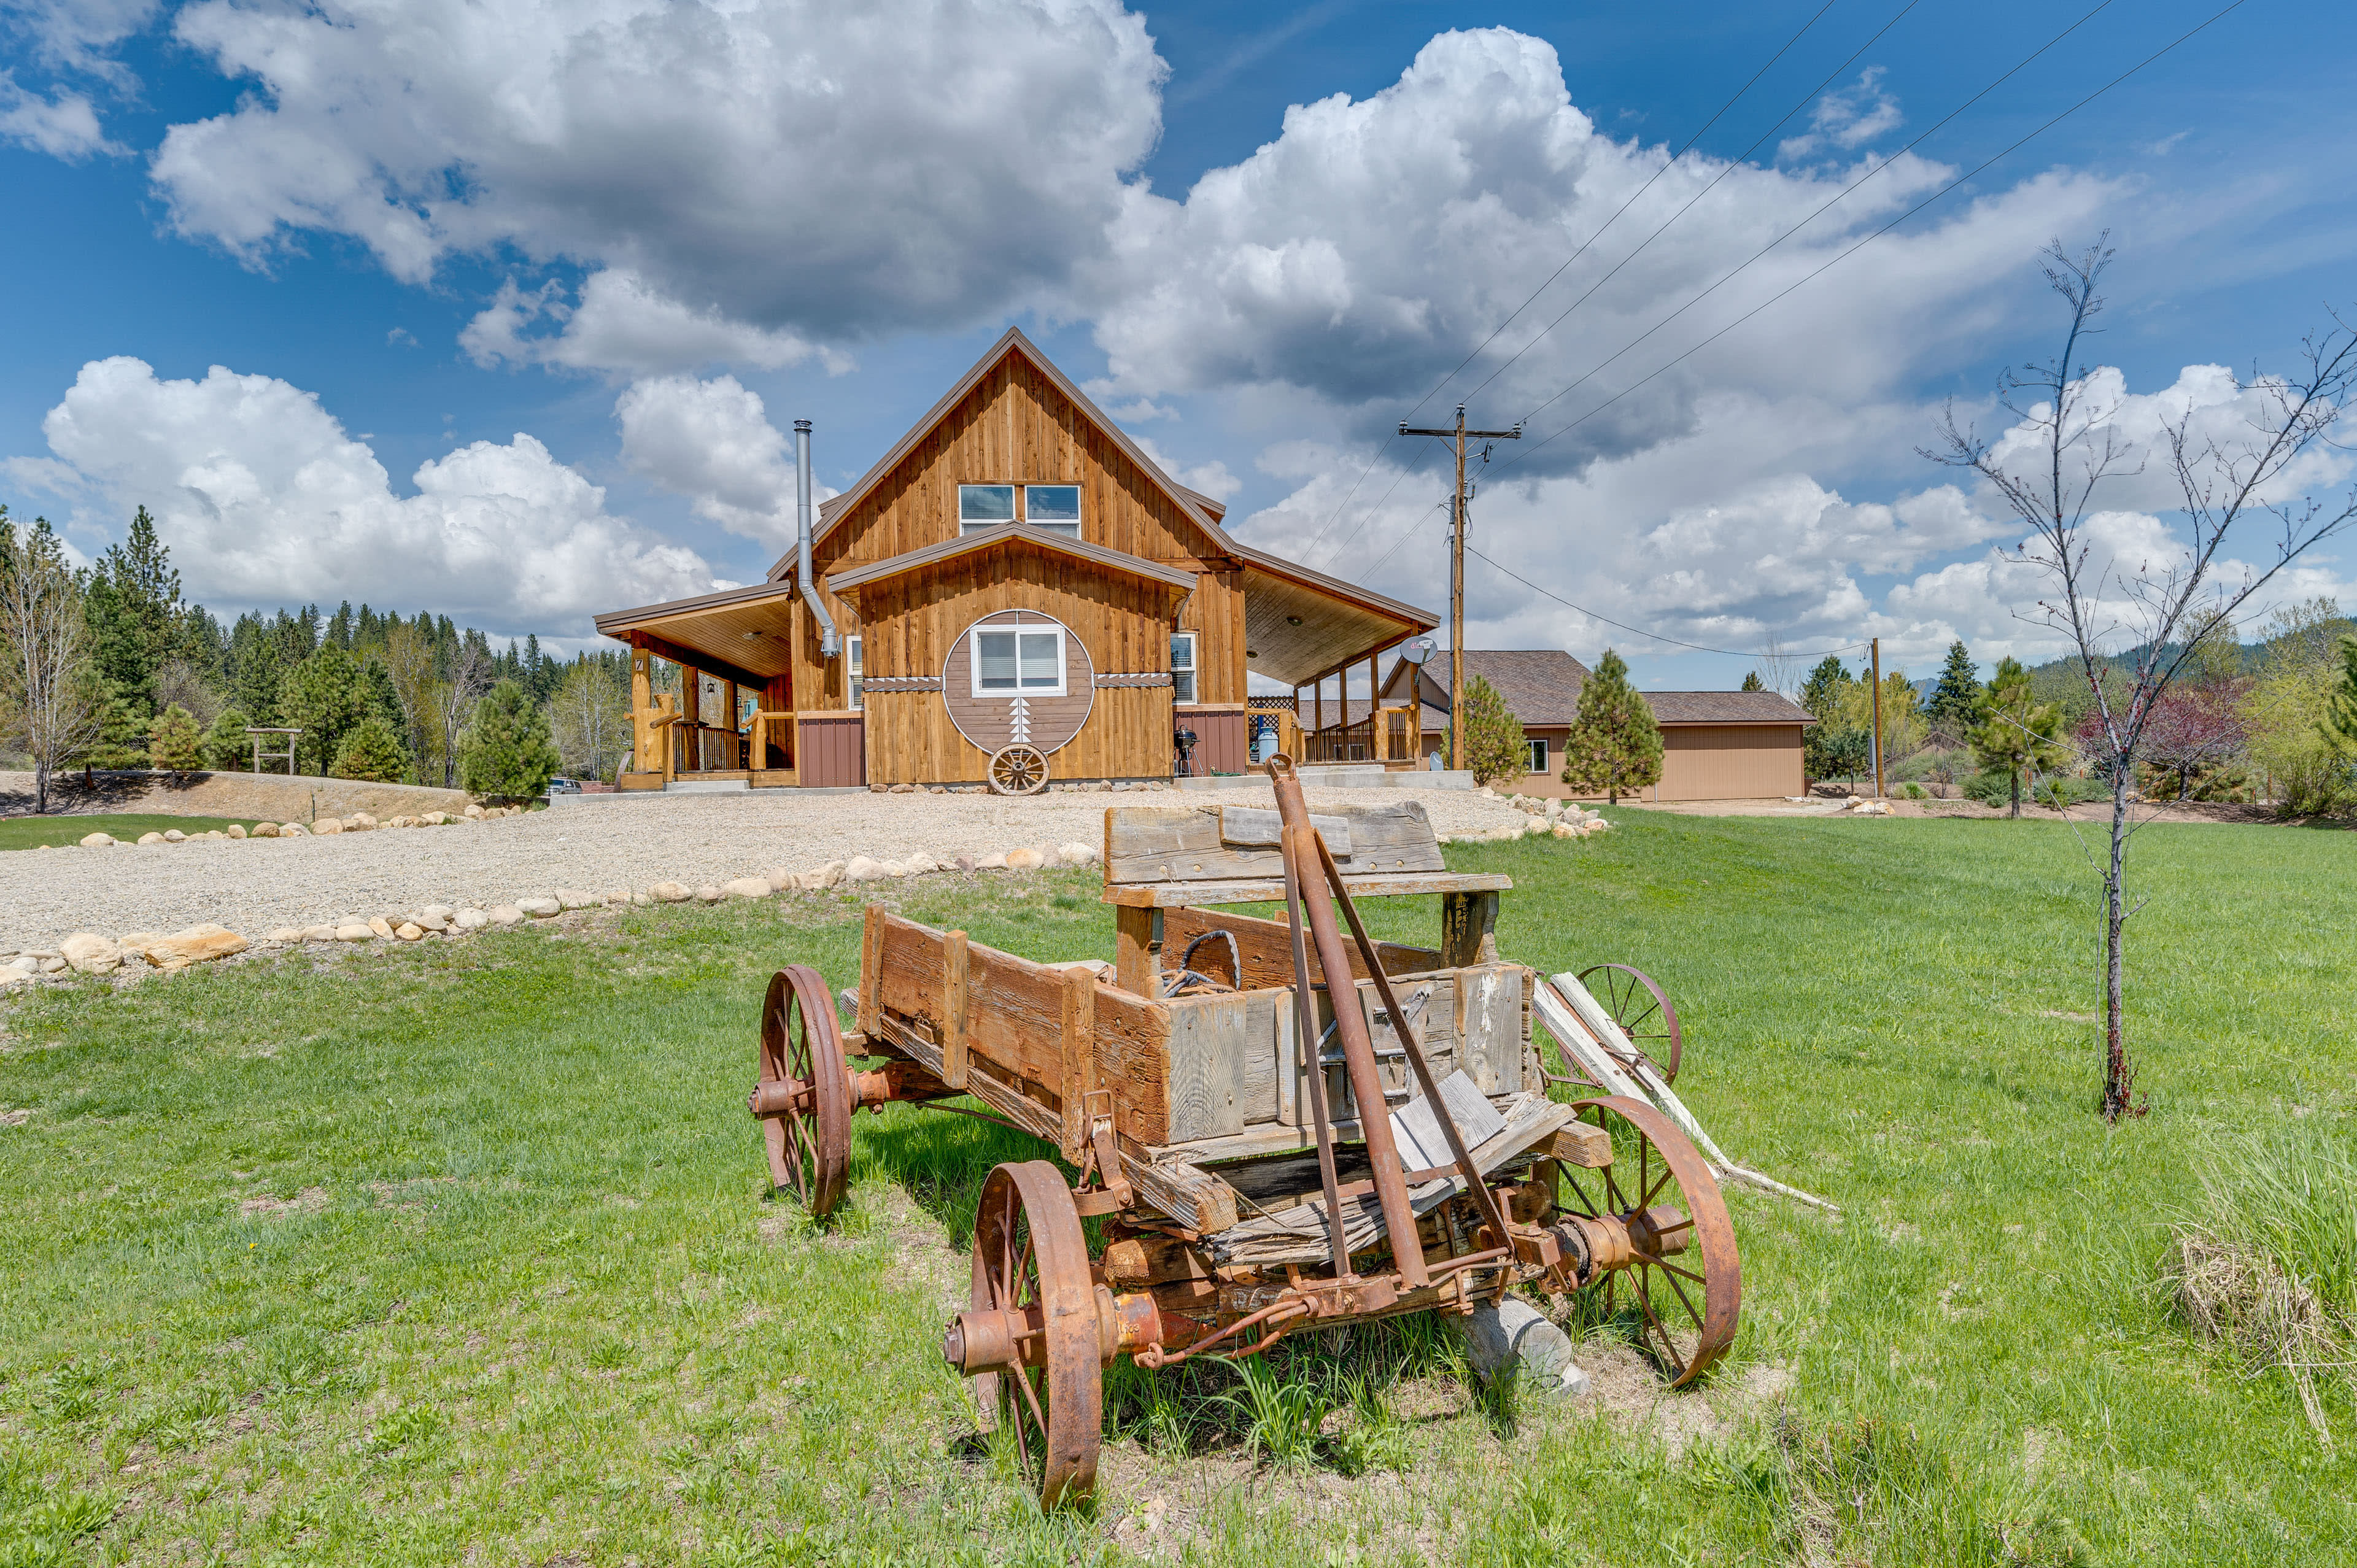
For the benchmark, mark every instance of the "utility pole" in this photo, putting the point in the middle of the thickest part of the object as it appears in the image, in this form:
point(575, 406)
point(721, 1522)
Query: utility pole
point(1875, 644)
point(1456, 578)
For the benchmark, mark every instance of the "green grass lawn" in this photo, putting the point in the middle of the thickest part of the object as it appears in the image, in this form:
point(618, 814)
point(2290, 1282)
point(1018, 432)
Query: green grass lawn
point(461, 1252)
point(32, 832)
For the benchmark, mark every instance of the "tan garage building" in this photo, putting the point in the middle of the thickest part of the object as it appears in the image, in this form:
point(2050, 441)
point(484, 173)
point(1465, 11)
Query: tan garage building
point(1716, 745)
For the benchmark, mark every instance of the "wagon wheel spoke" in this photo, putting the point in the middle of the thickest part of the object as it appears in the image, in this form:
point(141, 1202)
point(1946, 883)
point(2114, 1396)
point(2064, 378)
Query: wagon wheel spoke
point(1684, 1300)
point(1706, 1276)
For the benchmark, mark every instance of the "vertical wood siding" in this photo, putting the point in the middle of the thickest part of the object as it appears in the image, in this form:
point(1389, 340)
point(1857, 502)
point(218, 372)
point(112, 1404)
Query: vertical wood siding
point(1015, 427)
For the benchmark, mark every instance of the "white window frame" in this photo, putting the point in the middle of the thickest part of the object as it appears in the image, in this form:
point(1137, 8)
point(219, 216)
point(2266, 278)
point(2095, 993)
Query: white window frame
point(1018, 630)
point(854, 673)
point(1538, 747)
point(975, 525)
point(1193, 672)
point(1057, 524)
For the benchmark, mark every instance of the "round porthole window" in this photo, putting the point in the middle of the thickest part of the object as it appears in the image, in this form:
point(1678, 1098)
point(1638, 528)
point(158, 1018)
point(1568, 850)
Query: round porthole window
point(1018, 678)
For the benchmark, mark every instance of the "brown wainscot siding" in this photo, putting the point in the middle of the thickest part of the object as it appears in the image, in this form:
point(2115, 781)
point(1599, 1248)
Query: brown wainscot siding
point(913, 621)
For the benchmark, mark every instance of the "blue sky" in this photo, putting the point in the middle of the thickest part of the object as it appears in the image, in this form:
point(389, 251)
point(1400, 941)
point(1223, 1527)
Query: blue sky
point(1258, 232)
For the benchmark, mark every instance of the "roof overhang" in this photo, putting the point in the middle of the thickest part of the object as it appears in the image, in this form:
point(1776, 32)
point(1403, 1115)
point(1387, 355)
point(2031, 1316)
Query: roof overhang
point(745, 634)
point(1300, 624)
point(1007, 536)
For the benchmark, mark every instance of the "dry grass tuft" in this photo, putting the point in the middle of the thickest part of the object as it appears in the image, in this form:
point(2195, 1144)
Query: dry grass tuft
point(2232, 1293)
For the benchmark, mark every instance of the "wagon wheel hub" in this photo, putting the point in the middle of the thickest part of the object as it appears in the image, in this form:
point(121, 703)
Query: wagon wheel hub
point(1018, 769)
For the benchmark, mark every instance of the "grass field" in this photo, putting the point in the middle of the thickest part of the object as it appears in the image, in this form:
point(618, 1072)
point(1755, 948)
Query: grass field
point(460, 1252)
point(31, 832)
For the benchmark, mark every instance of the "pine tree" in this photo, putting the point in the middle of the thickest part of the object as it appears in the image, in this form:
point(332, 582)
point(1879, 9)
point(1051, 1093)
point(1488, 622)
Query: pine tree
point(173, 741)
point(122, 725)
point(1752, 682)
point(135, 610)
point(1952, 700)
point(325, 696)
point(1495, 750)
point(506, 752)
point(227, 747)
point(373, 750)
point(2013, 733)
point(1820, 694)
point(1614, 743)
point(2339, 725)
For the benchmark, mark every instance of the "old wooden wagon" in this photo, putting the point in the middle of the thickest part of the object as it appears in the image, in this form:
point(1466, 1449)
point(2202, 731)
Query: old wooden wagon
point(1270, 1150)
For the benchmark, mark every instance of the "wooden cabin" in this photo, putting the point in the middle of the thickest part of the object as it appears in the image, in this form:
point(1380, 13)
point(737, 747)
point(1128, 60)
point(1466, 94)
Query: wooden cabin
point(1014, 572)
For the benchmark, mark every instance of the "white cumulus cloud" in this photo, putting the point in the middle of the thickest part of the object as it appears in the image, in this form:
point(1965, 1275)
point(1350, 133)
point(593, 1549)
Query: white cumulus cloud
point(264, 500)
point(804, 170)
point(712, 441)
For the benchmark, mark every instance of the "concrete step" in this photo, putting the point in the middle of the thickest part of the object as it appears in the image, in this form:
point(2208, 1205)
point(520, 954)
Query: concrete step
point(706, 787)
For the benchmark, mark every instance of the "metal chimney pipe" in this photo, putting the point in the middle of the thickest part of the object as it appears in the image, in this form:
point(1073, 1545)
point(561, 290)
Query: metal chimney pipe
point(829, 644)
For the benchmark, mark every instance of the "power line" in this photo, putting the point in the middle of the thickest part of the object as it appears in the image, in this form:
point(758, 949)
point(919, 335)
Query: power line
point(1997, 157)
point(1668, 165)
point(1657, 636)
point(1838, 196)
point(1731, 165)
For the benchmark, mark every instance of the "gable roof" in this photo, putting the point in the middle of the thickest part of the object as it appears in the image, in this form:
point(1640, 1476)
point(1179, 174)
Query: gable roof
point(1726, 708)
point(832, 511)
point(1011, 534)
point(1541, 685)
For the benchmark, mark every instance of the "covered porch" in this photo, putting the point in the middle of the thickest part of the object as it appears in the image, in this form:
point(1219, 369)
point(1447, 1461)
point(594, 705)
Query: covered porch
point(1305, 628)
point(724, 712)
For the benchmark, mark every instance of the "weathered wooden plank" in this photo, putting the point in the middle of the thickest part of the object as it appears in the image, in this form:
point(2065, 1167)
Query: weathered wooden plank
point(1260, 827)
point(1491, 1000)
point(1266, 949)
point(954, 998)
point(1077, 1041)
point(1468, 925)
point(871, 967)
point(1194, 1197)
point(1181, 895)
point(1211, 1040)
point(1581, 1143)
point(1014, 1020)
point(1135, 958)
point(1155, 844)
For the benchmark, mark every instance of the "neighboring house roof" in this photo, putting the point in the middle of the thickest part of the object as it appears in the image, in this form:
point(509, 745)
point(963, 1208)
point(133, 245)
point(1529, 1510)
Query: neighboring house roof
point(1541, 685)
point(1726, 708)
point(1008, 534)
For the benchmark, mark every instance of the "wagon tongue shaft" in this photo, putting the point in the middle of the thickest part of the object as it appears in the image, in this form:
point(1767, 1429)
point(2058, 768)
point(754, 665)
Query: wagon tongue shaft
point(1351, 1022)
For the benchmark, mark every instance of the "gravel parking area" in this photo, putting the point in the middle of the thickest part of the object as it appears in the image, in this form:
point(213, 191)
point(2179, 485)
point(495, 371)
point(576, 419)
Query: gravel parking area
point(597, 846)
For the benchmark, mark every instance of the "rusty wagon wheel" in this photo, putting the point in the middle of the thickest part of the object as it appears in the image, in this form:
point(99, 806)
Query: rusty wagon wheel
point(1644, 1013)
point(1018, 769)
point(1031, 1259)
point(1683, 1276)
point(804, 1093)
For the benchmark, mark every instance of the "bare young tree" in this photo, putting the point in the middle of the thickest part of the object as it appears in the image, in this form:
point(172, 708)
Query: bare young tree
point(48, 703)
point(409, 660)
point(2067, 448)
point(455, 698)
point(592, 720)
point(1779, 670)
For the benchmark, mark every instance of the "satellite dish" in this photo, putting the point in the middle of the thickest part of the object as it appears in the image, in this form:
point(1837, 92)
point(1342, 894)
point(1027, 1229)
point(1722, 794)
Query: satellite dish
point(1419, 650)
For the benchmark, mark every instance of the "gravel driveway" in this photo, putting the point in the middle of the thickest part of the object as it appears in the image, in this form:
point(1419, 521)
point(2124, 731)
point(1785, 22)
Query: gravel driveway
point(254, 885)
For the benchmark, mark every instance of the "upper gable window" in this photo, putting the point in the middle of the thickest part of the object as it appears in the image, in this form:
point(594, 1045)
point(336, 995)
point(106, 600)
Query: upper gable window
point(1053, 507)
point(984, 506)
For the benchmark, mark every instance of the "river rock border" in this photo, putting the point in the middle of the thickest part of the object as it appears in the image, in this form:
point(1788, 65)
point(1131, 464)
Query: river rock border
point(138, 952)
